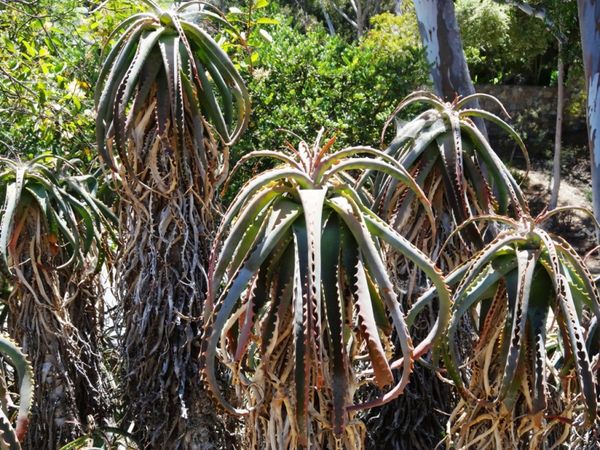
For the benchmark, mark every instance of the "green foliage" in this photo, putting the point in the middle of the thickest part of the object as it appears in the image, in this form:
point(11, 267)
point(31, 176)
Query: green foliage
point(503, 44)
point(49, 52)
point(307, 80)
point(393, 36)
point(302, 81)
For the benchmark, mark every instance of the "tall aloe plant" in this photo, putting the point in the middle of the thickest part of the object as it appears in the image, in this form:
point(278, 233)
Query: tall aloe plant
point(457, 169)
point(169, 102)
point(302, 307)
point(461, 175)
point(50, 244)
point(530, 299)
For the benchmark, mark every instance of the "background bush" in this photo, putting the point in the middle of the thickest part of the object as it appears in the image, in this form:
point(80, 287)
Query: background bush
point(302, 81)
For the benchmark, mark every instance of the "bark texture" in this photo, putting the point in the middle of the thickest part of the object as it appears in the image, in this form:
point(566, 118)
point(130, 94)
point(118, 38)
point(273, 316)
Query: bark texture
point(560, 101)
point(443, 47)
point(589, 24)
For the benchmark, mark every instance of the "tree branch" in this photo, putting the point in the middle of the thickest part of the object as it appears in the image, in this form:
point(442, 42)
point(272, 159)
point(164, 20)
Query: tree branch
point(539, 13)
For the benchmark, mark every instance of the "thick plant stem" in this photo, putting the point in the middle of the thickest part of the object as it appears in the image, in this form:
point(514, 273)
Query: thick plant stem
point(166, 222)
point(54, 316)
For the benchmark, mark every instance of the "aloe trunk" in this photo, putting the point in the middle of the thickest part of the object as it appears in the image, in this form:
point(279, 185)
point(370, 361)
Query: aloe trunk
point(54, 315)
point(161, 284)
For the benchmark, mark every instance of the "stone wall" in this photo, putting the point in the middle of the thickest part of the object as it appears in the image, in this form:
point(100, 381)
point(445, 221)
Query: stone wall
point(533, 115)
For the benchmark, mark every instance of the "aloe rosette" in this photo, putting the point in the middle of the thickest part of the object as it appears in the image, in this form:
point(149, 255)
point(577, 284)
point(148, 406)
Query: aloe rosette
point(524, 287)
point(299, 295)
point(165, 80)
point(452, 161)
point(53, 190)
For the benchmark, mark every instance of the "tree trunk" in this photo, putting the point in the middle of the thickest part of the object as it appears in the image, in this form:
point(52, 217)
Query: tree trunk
point(444, 51)
point(589, 24)
point(443, 46)
point(560, 100)
point(330, 27)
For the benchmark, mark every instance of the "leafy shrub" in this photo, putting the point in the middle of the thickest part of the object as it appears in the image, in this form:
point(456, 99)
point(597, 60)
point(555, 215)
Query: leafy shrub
point(48, 73)
point(503, 44)
point(302, 81)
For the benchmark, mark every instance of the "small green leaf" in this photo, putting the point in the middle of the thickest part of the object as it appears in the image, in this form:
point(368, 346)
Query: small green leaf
point(267, 21)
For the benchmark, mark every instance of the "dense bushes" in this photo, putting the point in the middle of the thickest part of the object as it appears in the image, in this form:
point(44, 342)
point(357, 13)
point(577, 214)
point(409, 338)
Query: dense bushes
point(50, 52)
point(302, 81)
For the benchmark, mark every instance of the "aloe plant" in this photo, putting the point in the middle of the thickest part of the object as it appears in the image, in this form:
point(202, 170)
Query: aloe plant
point(169, 103)
point(12, 436)
point(66, 204)
point(457, 169)
point(299, 299)
point(51, 242)
point(451, 160)
point(163, 81)
point(531, 298)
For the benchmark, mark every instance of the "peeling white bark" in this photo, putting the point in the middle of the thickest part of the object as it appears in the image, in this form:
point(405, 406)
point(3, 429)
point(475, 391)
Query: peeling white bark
point(444, 51)
point(593, 112)
point(589, 25)
point(427, 18)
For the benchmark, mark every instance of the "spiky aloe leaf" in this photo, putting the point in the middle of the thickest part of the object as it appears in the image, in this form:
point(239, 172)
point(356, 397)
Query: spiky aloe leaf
point(334, 313)
point(534, 272)
point(327, 305)
point(24, 376)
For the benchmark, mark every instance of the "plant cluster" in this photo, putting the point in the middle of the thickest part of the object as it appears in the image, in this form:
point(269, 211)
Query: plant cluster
point(301, 297)
point(332, 278)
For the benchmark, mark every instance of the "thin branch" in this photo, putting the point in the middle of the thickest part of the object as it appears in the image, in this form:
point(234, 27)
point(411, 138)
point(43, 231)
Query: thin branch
point(539, 13)
point(344, 15)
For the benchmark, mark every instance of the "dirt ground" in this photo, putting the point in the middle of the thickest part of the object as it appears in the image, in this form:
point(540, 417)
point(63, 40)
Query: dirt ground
point(574, 226)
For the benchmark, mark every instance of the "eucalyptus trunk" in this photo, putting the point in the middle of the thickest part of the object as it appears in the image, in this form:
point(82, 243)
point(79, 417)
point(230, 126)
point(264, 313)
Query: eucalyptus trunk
point(443, 47)
point(589, 24)
point(441, 39)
